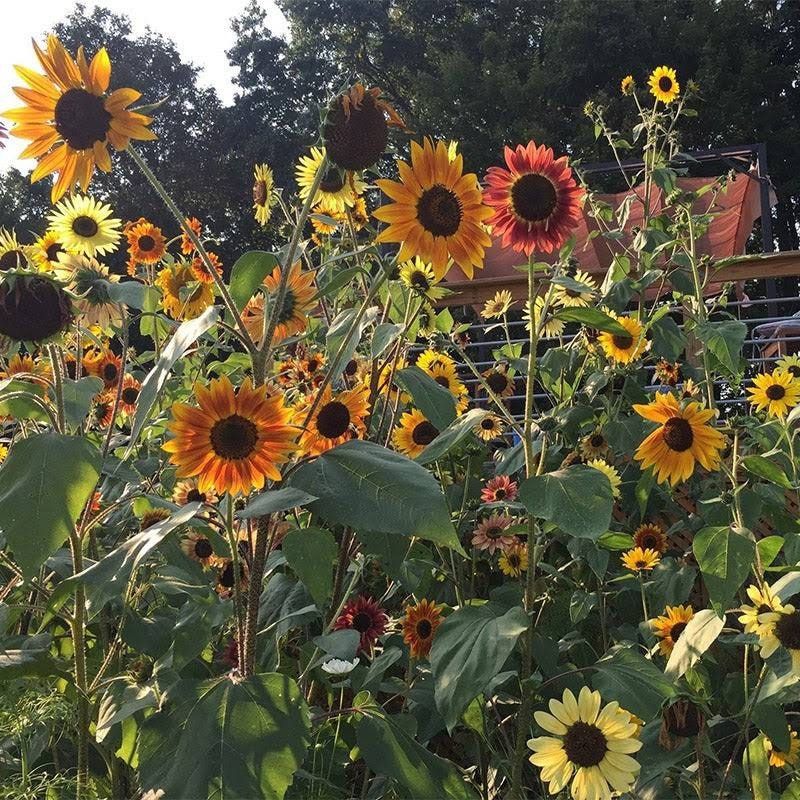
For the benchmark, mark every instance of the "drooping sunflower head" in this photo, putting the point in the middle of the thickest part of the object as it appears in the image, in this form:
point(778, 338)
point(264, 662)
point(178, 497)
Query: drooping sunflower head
point(498, 306)
point(650, 536)
point(12, 253)
point(200, 549)
point(182, 295)
point(338, 189)
point(413, 434)
point(668, 373)
point(33, 308)
point(610, 472)
point(671, 625)
point(356, 128)
point(513, 560)
point(624, 348)
point(627, 85)
point(420, 278)
point(84, 225)
point(263, 193)
point(776, 392)
point(639, 560)
point(419, 627)
point(336, 419)
point(146, 242)
point(663, 83)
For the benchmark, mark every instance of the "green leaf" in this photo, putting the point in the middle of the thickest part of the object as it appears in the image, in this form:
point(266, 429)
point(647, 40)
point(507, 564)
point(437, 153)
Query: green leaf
point(725, 559)
point(792, 791)
point(369, 487)
point(768, 549)
point(23, 406)
point(636, 683)
point(592, 318)
point(577, 499)
point(434, 401)
point(129, 293)
point(769, 470)
point(78, 397)
point(311, 553)
point(699, 634)
point(340, 280)
point(345, 333)
point(44, 484)
point(469, 649)
point(755, 766)
point(384, 335)
point(455, 433)
point(248, 274)
point(771, 721)
point(275, 500)
point(120, 701)
point(27, 657)
point(184, 337)
point(229, 738)
point(389, 749)
point(724, 340)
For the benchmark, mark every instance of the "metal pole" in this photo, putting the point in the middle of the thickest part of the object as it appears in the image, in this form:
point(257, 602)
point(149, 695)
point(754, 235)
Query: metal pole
point(767, 242)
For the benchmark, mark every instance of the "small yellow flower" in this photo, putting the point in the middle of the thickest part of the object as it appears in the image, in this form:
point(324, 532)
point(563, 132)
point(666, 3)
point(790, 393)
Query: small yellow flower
point(624, 348)
point(627, 85)
point(670, 626)
point(514, 560)
point(552, 328)
point(775, 393)
point(498, 306)
point(764, 602)
point(613, 476)
point(639, 560)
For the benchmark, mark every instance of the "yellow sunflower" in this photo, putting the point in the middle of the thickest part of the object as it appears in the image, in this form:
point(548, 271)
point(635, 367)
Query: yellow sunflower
point(764, 602)
point(445, 375)
point(627, 85)
point(419, 627)
point(683, 438)
point(182, 295)
point(263, 193)
point(45, 252)
point(499, 381)
point(595, 445)
point(12, 253)
point(419, 277)
point(414, 433)
point(776, 393)
point(437, 212)
point(552, 328)
point(337, 191)
point(338, 418)
point(200, 549)
point(638, 560)
point(489, 428)
point(233, 440)
point(789, 364)
point(624, 348)
point(663, 83)
point(83, 225)
point(70, 118)
point(783, 758)
point(780, 628)
point(430, 358)
point(670, 626)
point(570, 297)
point(497, 306)
point(513, 560)
point(613, 476)
point(588, 746)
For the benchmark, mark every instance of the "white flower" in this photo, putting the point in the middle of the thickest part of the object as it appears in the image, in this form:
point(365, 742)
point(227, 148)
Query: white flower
point(338, 666)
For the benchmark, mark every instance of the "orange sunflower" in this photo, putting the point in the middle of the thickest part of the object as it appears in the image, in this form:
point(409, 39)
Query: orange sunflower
point(419, 627)
point(337, 419)
point(234, 440)
point(146, 243)
point(413, 434)
point(670, 626)
point(201, 271)
point(71, 119)
point(187, 246)
point(129, 395)
point(437, 213)
point(651, 536)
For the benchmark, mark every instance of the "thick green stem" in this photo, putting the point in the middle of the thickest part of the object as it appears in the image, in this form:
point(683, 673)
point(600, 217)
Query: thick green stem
point(263, 544)
point(79, 665)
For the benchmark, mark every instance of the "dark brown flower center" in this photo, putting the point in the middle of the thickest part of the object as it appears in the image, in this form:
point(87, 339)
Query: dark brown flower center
point(665, 83)
point(81, 118)
point(203, 548)
point(146, 243)
point(362, 622)
point(597, 440)
point(53, 251)
point(487, 424)
point(775, 392)
point(514, 560)
point(84, 226)
point(332, 182)
point(130, 394)
point(356, 140)
point(676, 631)
point(287, 307)
point(424, 628)
point(443, 380)
point(226, 576)
point(439, 211)
point(313, 365)
point(234, 437)
point(110, 372)
point(195, 496)
point(419, 281)
point(534, 197)
point(649, 541)
point(787, 630)
point(424, 433)
point(495, 532)
point(499, 494)
point(260, 193)
point(11, 259)
point(333, 420)
point(584, 744)
point(497, 382)
point(351, 368)
point(794, 370)
point(678, 434)
point(622, 342)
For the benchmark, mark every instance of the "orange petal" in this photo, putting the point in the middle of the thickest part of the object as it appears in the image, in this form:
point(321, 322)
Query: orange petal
point(100, 71)
point(50, 163)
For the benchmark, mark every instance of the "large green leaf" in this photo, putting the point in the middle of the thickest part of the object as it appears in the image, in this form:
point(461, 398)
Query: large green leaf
point(592, 318)
point(577, 499)
point(78, 397)
point(369, 487)
point(434, 401)
point(724, 341)
point(771, 721)
point(311, 553)
point(755, 766)
point(469, 649)
point(18, 400)
point(699, 634)
point(725, 559)
point(28, 657)
point(248, 274)
point(389, 748)
point(44, 485)
point(769, 470)
point(275, 500)
point(227, 739)
point(452, 436)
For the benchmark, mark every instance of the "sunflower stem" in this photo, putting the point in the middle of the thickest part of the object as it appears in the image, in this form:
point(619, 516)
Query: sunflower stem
point(265, 531)
point(58, 387)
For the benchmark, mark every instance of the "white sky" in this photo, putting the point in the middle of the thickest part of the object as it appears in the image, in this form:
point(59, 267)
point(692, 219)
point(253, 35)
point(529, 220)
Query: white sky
point(199, 28)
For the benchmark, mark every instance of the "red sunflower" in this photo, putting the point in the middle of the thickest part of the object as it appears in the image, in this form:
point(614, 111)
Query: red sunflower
point(536, 201)
point(365, 616)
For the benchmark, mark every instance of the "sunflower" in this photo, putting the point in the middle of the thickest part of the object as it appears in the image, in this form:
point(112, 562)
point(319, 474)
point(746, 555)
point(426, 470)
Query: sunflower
point(187, 492)
point(789, 364)
point(34, 308)
point(650, 536)
point(201, 271)
point(413, 434)
point(668, 373)
point(92, 360)
point(624, 348)
point(588, 746)
point(663, 84)
point(489, 428)
point(430, 358)
point(571, 297)
point(536, 202)
point(783, 758)
point(365, 616)
point(234, 440)
point(109, 369)
point(338, 418)
point(639, 560)
point(497, 306)
point(187, 245)
point(45, 252)
point(552, 328)
point(775, 393)
point(226, 577)
point(83, 225)
point(446, 375)
point(182, 296)
point(419, 277)
point(499, 381)
point(670, 626)
point(263, 193)
point(627, 85)
point(26, 368)
point(336, 191)
point(491, 533)
point(613, 476)
point(513, 560)
point(129, 395)
point(70, 118)
point(764, 602)
point(146, 243)
point(356, 127)
point(595, 445)
point(297, 303)
point(200, 549)
point(12, 253)
point(90, 281)
point(498, 489)
point(437, 212)
point(682, 438)
point(780, 629)
point(101, 413)
point(419, 627)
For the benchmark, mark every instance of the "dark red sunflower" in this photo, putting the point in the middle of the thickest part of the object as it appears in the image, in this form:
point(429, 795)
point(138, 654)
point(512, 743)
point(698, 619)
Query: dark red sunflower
point(365, 616)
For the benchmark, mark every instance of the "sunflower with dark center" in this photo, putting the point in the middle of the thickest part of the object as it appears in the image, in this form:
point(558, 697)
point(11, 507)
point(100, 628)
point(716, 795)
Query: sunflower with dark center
point(182, 295)
point(71, 119)
point(438, 211)
point(366, 617)
point(683, 439)
point(650, 536)
point(84, 225)
point(199, 549)
point(12, 253)
point(337, 418)
point(499, 381)
point(776, 393)
point(146, 242)
point(186, 491)
point(513, 560)
point(226, 577)
point(419, 627)
point(337, 190)
point(152, 517)
point(446, 375)
point(492, 534)
point(356, 128)
point(420, 278)
point(663, 83)
point(780, 629)
point(129, 395)
point(497, 306)
point(624, 348)
point(535, 200)
point(640, 560)
point(33, 308)
point(413, 433)
point(765, 602)
point(263, 193)
point(101, 414)
point(670, 625)
point(109, 370)
point(45, 251)
point(202, 267)
point(790, 364)
point(490, 427)
point(234, 440)
point(498, 489)
point(595, 445)
point(588, 746)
